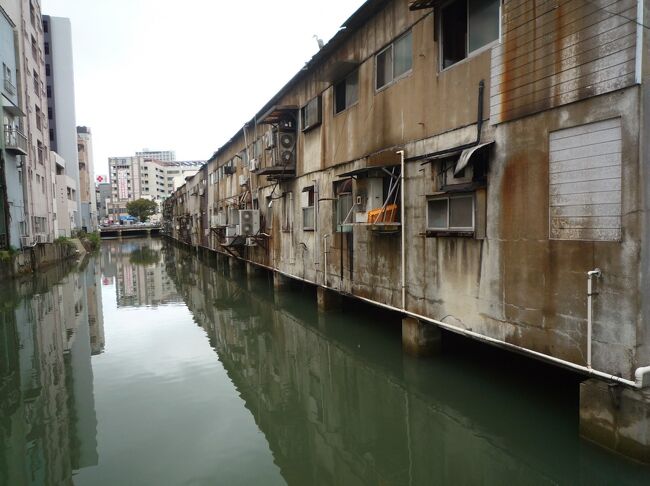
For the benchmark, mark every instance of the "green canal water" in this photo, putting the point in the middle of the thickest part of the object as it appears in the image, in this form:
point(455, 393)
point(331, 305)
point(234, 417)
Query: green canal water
point(145, 365)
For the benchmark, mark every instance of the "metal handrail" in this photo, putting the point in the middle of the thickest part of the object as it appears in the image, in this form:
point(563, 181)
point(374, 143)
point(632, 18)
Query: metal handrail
point(14, 138)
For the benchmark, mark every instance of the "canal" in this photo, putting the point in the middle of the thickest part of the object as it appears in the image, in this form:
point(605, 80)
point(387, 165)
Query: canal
point(147, 365)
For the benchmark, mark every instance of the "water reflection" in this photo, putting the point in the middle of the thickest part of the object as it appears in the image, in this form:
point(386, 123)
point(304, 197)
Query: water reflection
point(137, 267)
point(340, 404)
point(265, 391)
point(49, 327)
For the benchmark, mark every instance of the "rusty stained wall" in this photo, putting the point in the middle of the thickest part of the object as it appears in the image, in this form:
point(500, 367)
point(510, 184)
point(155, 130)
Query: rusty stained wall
point(515, 285)
point(557, 52)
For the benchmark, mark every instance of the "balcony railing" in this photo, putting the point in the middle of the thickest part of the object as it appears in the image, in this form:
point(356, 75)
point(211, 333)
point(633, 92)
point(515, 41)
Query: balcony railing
point(9, 86)
point(15, 141)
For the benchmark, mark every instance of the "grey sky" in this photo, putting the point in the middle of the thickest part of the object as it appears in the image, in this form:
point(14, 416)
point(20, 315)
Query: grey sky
point(185, 76)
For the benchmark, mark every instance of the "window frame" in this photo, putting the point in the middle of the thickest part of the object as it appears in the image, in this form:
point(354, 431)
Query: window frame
point(310, 205)
point(344, 82)
point(452, 229)
point(319, 107)
point(468, 54)
point(391, 46)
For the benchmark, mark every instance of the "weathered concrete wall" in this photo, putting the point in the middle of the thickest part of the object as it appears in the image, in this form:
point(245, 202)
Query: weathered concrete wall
point(38, 257)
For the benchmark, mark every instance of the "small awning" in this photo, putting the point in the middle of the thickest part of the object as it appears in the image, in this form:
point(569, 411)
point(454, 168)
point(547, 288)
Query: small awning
point(277, 113)
point(466, 156)
point(308, 188)
point(368, 172)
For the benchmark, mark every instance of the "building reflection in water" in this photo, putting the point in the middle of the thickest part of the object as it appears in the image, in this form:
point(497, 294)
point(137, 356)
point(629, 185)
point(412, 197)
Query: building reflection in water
point(139, 271)
point(339, 403)
point(335, 398)
point(49, 327)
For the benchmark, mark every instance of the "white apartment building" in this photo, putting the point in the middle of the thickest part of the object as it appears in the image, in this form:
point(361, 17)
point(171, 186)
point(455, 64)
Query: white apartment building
point(162, 155)
point(59, 77)
point(138, 177)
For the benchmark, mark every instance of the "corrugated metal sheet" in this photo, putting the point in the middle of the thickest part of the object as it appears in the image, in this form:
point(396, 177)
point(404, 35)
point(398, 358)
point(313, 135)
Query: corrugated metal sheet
point(585, 182)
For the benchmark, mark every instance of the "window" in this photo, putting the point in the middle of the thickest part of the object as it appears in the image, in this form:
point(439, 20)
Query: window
point(466, 26)
point(287, 211)
point(48, 70)
point(308, 214)
point(47, 48)
point(344, 206)
point(451, 213)
point(394, 61)
point(346, 92)
point(310, 114)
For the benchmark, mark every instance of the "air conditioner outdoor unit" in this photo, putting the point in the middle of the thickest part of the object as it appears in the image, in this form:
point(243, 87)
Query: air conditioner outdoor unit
point(249, 221)
point(287, 140)
point(228, 169)
point(243, 180)
point(41, 238)
point(251, 241)
point(25, 241)
point(254, 165)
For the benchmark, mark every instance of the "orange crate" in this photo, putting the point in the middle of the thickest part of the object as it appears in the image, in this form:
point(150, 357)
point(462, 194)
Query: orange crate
point(383, 215)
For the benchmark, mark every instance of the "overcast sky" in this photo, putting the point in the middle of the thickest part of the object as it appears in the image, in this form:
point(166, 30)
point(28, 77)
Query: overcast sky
point(185, 76)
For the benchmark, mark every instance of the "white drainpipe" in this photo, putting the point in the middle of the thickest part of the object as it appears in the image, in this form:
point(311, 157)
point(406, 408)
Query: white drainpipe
point(403, 221)
point(325, 237)
point(590, 293)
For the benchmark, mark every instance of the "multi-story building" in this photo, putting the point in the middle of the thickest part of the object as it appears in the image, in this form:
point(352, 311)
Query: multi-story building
point(162, 155)
point(38, 173)
point(59, 71)
point(103, 198)
point(13, 142)
point(138, 177)
point(86, 179)
point(471, 165)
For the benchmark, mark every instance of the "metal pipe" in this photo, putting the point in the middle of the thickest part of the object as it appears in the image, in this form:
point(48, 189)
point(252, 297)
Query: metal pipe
point(403, 221)
point(325, 237)
point(590, 275)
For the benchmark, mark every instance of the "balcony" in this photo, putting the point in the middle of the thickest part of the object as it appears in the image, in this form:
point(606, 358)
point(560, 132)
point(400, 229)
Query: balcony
point(15, 141)
point(9, 86)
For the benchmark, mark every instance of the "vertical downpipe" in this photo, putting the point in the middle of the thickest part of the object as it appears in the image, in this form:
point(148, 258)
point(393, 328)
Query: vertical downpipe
point(403, 221)
point(590, 293)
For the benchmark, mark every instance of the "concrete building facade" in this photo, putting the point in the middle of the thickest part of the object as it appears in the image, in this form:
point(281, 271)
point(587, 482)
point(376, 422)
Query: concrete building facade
point(86, 179)
point(471, 165)
point(38, 173)
point(59, 70)
point(13, 148)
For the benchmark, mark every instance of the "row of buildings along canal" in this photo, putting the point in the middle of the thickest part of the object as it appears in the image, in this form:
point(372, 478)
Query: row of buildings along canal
point(480, 167)
point(47, 189)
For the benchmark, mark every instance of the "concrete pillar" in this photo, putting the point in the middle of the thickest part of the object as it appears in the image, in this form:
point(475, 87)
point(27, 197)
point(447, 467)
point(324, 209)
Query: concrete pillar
point(419, 338)
point(616, 417)
point(280, 282)
point(253, 271)
point(328, 300)
point(236, 267)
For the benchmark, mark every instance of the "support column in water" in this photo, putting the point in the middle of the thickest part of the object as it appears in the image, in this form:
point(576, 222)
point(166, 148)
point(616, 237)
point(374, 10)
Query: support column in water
point(419, 338)
point(616, 417)
point(328, 300)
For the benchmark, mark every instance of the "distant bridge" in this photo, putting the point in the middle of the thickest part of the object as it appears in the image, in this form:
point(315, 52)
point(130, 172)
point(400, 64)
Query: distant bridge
point(129, 231)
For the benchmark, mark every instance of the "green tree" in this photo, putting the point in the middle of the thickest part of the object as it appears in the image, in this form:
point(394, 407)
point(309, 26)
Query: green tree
point(141, 209)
